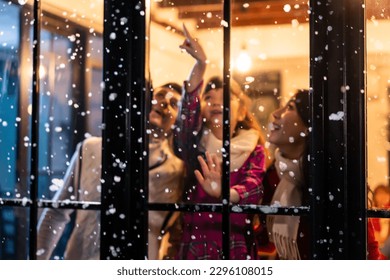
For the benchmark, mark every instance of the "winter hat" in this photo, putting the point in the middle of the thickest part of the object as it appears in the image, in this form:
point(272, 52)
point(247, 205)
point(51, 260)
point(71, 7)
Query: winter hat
point(301, 100)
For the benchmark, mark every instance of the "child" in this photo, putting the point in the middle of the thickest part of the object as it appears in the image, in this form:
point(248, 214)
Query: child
point(202, 232)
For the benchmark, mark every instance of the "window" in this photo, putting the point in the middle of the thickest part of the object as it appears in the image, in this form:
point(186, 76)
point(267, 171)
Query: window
point(95, 83)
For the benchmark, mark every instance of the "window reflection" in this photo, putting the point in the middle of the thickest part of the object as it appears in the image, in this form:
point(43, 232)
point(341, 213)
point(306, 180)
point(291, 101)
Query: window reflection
point(56, 108)
point(378, 112)
point(12, 243)
point(9, 63)
point(269, 47)
point(71, 69)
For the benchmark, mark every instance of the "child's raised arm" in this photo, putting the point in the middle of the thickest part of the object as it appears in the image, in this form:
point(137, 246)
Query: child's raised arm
point(192, 46)
point(188, 120)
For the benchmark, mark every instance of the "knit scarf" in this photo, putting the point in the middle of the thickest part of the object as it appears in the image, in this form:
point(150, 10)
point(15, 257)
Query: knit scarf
point(158, 151)
point(241, 146)
point(283, 230)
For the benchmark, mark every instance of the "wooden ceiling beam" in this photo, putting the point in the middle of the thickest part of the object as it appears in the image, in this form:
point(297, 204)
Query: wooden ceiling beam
point(185, 3)
point(208, 13)
point(252, 19)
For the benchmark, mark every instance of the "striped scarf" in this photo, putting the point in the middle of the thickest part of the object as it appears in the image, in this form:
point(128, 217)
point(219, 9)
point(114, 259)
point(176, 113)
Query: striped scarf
point(283, 230)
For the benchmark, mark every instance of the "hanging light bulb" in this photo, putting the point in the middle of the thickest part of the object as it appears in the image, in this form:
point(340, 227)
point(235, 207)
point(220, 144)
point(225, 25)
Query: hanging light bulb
point(243, 60)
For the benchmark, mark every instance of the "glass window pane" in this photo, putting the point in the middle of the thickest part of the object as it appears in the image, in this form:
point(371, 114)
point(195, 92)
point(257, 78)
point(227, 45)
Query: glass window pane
point(169, 63)
point(70, 113)
point(9, 90)
point(61, 238)
point(13, 225)
point(378, 104)
point(56, 103)
point(266, 71)
point(270, 59)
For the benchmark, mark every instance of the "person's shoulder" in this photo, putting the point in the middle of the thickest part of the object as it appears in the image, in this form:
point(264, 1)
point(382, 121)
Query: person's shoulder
point(92, 141)
point(92, 144)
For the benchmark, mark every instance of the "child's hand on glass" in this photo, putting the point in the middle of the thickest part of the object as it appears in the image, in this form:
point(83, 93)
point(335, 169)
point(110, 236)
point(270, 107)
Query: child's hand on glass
point(210, 177)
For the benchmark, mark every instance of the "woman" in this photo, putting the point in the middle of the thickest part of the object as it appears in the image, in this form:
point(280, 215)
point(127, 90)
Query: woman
point(290, 134)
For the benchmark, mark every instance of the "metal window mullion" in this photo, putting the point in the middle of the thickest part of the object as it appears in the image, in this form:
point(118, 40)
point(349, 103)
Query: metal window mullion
point(318, 149)
point(35, 131)
point(124, 165)
point(355, 120)
point(79, 77)
point(378, 213)
point(226, 132)
point(244, 208)
point(337, 172)
point(138, 147)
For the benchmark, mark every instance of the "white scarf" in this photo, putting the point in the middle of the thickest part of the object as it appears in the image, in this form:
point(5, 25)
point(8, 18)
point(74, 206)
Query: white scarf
point(241, 146)
point(158, 151)
point(283, 230)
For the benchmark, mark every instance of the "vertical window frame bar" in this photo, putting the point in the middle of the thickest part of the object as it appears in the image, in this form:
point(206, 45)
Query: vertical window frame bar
point(337, 75)
point(356, 123)
point(128, 197)
point(35, 131)
point(226, 131)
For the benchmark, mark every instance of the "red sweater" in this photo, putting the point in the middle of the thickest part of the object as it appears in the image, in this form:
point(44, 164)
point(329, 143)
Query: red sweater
point(373, 252)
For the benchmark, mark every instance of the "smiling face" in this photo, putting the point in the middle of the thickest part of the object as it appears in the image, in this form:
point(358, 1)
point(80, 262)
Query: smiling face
point(212, 111)
point(164, 109)
point(288, 132)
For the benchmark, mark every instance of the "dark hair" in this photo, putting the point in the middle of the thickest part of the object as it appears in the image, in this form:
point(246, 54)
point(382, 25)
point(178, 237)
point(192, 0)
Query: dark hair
point(213, 83)
point(174, 86)
point(164, 89)
point(301, 100)
point(302, 103)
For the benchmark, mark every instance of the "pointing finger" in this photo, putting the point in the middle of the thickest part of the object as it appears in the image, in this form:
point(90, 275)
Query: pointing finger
point(186, 32)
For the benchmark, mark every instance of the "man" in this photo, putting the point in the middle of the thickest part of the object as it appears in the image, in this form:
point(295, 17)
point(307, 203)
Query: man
point(82, 183)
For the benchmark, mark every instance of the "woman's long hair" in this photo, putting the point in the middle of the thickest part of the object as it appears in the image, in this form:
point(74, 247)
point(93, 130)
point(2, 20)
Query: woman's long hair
point(301, 100)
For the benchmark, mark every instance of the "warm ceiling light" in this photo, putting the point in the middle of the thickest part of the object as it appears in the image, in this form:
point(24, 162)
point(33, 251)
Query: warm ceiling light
point(243, 61)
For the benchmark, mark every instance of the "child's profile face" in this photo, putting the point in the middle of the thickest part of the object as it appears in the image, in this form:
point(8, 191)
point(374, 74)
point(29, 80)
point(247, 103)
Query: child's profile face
point(164, 109)
point(212, 111)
